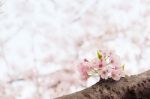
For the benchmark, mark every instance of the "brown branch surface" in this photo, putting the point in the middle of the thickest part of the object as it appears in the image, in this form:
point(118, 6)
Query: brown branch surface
point(133, 87)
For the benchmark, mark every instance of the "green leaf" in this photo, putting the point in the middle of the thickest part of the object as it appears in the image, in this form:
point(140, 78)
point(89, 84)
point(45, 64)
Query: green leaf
point(123, 66)
point(99, 55)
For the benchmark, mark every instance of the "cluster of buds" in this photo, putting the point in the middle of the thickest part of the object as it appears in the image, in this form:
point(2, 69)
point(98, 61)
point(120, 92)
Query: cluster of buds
point(106, 65)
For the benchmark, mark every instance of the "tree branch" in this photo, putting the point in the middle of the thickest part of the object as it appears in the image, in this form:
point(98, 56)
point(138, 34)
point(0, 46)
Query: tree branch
point(133, 87)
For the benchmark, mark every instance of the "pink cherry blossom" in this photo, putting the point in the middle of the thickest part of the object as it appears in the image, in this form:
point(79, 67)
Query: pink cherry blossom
point(115, 59)
point(84, 68)
point(102, 63)
point(106, 65)
point(98, 63)
point(116, 74)
point(104, 73)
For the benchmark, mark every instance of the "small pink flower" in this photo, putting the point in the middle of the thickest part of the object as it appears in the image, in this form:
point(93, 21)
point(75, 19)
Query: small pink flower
point(116, 74)
point(84, 76)
point(84, 68)
point(115, 59)
point(84, 72)
point(104, 73)
point(96, 63)
point(102, 63)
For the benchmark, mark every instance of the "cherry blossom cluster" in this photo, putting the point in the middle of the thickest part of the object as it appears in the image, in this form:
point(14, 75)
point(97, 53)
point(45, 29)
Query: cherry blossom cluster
point(106, 65)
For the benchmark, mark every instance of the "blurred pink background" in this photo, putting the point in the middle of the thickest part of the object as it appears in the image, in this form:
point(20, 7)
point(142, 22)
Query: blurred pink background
point(42, 41)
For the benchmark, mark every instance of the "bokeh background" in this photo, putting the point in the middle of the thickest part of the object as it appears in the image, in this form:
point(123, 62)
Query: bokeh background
point(42, 41)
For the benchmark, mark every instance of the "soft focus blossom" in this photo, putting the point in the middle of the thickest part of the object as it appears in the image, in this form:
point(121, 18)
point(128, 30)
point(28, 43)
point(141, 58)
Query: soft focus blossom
point(106, 65)
point(84, 68)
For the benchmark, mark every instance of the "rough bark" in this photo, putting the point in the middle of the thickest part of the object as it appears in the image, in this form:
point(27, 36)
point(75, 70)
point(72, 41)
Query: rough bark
point(133, 87)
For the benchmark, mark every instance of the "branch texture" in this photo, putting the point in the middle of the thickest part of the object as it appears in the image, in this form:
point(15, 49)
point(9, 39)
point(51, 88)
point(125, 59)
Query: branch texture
point(133, 87)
